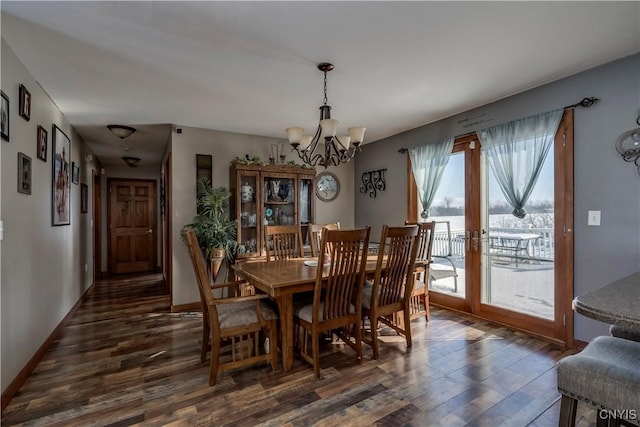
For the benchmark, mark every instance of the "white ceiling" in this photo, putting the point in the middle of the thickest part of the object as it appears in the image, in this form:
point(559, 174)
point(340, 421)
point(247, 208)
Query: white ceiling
point(250, 67)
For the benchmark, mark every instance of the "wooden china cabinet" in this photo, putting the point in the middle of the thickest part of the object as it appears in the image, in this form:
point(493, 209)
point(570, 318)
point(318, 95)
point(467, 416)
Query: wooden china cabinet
point(270, 195)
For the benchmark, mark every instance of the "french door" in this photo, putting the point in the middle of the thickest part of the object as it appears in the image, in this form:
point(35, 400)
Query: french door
point(493, 265)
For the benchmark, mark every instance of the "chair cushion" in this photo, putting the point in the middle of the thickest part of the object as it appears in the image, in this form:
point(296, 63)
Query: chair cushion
point(606, 373)
point(243, 313)
point(304, 310)
point(367, 291)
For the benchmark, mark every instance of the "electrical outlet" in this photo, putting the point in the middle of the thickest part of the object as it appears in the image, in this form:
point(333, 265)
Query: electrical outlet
point(594, 218)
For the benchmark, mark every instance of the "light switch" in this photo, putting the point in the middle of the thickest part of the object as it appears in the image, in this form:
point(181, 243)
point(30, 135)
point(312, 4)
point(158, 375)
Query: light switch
point(594, 218)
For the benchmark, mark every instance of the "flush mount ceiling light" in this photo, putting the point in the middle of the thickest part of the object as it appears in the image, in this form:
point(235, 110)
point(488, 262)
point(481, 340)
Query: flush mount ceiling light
point(121, 131)
point(131, 161)
point(337, 149)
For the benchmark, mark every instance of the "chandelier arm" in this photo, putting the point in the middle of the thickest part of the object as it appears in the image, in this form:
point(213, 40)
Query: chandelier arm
point(342, 147)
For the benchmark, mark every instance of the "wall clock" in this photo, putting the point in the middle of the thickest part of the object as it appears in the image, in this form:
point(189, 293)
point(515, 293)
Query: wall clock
point(327, 186)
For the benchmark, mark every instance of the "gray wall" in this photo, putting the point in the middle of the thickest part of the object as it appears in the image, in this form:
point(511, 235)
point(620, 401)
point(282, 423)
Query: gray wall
point(44, 270)
point(603, 181)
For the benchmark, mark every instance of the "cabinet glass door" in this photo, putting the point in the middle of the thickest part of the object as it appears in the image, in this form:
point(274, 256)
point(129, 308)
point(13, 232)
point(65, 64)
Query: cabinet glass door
point(248, 232)
point(305, 210)
point(279, 201)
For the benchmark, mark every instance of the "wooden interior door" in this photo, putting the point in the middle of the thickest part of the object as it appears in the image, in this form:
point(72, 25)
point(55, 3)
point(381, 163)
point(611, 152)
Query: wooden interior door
point(132, 224)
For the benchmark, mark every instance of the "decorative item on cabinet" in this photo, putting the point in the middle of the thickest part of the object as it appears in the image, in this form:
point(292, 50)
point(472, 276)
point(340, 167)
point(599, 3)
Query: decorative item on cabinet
point(246, 192)
point(277, 150)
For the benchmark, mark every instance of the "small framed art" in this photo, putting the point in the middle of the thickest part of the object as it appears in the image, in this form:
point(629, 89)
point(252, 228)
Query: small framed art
point(75, 173)
point(25, 103)
point(204, 166)
point(84, 198)
point(24, 174)
point(4, 117)
point(42, 144)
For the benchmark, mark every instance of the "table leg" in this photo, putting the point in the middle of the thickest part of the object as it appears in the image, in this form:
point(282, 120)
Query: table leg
point(285, 305)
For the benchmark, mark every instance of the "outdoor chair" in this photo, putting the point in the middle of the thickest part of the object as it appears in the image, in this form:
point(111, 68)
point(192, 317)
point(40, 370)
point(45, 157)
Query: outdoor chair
point(238, 321)
point(437, 273)
point(387, 299)
point(337, 296)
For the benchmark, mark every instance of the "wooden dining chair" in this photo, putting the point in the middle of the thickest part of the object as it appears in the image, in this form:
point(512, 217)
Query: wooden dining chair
point(236, 320)
point(387, 299)
point(283, 242)
point(337, 295)
point(419, 304)
point(315, 238)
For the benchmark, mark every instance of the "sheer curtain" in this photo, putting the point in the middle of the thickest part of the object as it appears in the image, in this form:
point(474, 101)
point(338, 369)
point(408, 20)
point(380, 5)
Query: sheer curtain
point(428, 163)
point(516, 153)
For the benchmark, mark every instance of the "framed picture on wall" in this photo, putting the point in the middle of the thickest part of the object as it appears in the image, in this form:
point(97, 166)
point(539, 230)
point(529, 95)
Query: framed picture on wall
point(60, 182)
point(84, 198)
point(25, 103)
point(75, 173)
point(42, 144)
point(24, 174)
point(4, 117)
point(204, 166)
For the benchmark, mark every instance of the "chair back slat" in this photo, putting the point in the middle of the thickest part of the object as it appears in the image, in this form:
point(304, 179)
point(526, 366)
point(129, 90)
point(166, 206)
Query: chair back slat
point(345, 251)
point(393, 281)
point(315, 235)
point(283, 242)
point(425, 244)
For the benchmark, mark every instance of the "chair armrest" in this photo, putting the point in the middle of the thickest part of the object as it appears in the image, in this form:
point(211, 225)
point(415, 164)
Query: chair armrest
point(227, 284)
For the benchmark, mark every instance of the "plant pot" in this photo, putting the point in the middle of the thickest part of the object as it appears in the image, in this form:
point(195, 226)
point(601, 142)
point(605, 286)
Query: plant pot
point(218, 256)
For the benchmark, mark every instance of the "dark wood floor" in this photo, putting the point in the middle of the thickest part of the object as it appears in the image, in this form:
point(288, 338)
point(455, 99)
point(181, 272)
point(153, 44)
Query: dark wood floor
point(125, 359)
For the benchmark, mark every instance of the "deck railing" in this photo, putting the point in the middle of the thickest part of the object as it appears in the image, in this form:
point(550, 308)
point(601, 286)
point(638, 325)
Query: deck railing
point(542, 249)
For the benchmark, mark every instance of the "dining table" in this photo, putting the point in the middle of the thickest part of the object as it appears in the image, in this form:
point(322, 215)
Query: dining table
point(617, 303)
point(281, 280)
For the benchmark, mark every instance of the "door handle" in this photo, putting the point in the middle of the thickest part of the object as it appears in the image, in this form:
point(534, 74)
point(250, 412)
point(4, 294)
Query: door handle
point(149, 231)
point(476, 241)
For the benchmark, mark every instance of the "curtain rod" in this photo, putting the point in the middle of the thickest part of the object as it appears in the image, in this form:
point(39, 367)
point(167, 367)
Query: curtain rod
point(584, 103)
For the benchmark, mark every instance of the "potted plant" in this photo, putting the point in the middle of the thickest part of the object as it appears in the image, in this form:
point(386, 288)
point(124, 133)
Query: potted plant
point(215, 231)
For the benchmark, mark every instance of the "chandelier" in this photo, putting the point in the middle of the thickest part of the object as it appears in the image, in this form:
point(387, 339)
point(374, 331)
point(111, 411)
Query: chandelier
point(337, 149)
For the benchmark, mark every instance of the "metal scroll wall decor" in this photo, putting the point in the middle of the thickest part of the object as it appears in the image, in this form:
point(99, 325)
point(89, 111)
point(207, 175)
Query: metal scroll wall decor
point(628, 145)
point(372, 182)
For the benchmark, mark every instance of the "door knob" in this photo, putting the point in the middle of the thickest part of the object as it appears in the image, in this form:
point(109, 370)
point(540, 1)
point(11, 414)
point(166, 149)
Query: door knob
point(476, 240)
point(149, 231)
